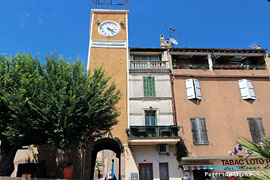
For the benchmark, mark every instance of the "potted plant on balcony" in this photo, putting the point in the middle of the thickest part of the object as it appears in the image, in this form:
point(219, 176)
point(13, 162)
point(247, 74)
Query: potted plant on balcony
point(226, 67)
point(216, 67)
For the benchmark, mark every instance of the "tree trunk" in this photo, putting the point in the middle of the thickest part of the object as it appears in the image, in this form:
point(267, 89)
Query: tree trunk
point(7, 156)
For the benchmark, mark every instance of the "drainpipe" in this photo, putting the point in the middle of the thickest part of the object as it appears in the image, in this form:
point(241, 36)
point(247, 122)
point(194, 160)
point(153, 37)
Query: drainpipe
point(210, 62)
point(172, 92)
point(267, 62)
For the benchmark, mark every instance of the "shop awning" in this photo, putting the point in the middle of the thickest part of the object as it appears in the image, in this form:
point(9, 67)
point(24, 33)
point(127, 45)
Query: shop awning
point(195, 167)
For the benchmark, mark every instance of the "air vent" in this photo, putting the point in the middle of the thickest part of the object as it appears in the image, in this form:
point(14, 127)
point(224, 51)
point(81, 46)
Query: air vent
point(163, 148)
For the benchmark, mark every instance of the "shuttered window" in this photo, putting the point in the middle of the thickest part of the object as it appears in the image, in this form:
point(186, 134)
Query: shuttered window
point(246, 89)
point(193, 89)
point(149, 86)
point(199, 131)
point(147, 57)
point(256, 129)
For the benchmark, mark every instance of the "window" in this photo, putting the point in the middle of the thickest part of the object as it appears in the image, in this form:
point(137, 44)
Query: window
point(199, 131)
point(147, 57)
point(150, 118)
point(193, 89)
point(246, 89)
point(256, 129)
point(149, 86)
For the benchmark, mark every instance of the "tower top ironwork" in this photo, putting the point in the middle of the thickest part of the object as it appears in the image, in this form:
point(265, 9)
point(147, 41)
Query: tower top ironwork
point(99, 3)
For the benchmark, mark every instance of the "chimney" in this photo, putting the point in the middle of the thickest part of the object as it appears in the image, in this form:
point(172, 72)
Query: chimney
point(162, 44)
point(165, 43)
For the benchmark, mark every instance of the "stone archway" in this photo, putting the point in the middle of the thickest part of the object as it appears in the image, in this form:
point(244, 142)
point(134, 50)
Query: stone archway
point(114, 144)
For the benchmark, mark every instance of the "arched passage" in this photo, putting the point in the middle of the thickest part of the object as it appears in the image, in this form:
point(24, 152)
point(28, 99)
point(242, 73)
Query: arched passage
point(113, 144)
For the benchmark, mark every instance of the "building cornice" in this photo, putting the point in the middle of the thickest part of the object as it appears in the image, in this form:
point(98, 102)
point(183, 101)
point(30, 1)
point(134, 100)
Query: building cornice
point(109, 11)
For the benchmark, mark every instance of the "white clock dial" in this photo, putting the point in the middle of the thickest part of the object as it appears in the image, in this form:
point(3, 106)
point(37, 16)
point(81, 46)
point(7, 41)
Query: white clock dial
point(109, 29)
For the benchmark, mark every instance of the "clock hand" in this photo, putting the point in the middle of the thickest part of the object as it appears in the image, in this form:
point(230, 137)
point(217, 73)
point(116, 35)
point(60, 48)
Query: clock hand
point(112, 30)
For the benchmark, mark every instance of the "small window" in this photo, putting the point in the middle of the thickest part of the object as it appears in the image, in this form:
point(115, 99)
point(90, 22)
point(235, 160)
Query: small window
point(199, 131)
point(256, 129)
point(149, 86)
point(246, 89)
point(150, 118)
point(193, 89)
point(147, 57)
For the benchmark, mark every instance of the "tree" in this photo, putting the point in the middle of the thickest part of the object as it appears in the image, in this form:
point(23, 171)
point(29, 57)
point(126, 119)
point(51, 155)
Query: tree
point(55, 103)
point(260, 150)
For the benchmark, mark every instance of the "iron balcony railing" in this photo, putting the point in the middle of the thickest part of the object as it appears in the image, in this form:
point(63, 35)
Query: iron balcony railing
point(149, 64)
point(153, 131)
point(220, 66)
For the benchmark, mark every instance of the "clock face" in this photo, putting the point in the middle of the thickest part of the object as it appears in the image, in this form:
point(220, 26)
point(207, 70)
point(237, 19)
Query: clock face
point(109, 29)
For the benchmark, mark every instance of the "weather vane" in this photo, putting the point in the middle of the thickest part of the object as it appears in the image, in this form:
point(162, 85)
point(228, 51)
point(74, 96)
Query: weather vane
point(99, 3)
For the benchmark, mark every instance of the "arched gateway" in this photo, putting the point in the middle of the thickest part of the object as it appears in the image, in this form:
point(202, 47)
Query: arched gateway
point(114, 144)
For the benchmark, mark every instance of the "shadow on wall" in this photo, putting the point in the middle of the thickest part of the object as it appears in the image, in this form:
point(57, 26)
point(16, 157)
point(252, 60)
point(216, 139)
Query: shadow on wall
point(55, 160)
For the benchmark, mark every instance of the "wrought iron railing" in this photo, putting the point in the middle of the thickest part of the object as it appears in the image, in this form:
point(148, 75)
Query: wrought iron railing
point(220, 66)
point(238, 66)
point(153, 131)
point(190, 66)
point(149, 64)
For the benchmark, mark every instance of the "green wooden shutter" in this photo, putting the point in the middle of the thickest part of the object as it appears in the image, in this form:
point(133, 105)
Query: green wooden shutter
point(145, 86)
point(149, 86)
point(153, 92)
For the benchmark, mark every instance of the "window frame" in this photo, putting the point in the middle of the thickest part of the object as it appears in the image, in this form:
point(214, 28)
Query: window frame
point(146, 112)
point(246, 89)
point(193, 89)
point(199, 132)
point(256, 129)
point(147, 57)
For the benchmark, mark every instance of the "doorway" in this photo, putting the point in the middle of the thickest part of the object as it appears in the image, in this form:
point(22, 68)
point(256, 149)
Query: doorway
point(146, 171)
point(200, 175)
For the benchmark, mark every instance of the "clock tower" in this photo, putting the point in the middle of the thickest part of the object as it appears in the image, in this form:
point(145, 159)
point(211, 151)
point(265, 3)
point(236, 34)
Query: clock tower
point(108, 47)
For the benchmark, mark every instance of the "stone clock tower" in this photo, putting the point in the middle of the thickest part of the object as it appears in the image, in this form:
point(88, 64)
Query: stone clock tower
point(108, 47)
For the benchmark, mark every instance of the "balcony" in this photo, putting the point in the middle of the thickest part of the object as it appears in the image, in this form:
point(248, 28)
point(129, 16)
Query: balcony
point(221, 67)
point(153, 135)
point(149, 64)
point(238, 66)
point(153, 131)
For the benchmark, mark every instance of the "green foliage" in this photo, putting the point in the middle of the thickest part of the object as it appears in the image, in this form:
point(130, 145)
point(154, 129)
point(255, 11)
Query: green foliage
point(261, 151)
point(54, 103)
point(181, 151)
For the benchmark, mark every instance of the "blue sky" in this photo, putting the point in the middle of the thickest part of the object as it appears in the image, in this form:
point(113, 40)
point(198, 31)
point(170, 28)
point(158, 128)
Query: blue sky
point(44, 26)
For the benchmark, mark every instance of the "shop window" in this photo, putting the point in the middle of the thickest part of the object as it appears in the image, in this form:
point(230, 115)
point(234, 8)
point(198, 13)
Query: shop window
point(150, 118)
point(256, 129)
point(246, 89)
point(193, 89)
point(149, 86)
point(199, 131)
